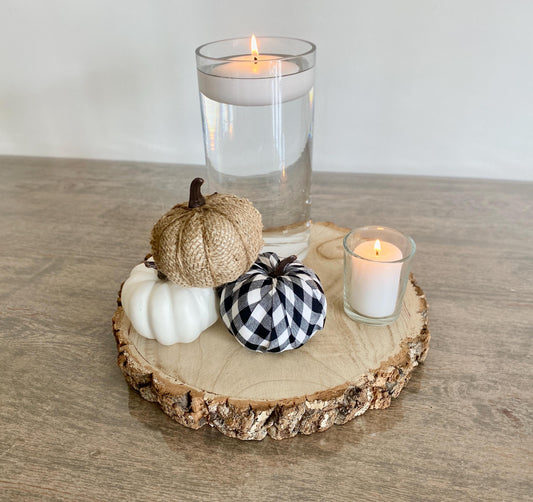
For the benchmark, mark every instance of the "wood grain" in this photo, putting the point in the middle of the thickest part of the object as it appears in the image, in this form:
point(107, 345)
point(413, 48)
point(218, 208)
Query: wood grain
point(344, 370)
point(71, 429)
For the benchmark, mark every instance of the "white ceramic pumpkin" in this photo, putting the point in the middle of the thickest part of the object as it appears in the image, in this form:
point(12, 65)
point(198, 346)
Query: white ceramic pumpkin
point(161, 309)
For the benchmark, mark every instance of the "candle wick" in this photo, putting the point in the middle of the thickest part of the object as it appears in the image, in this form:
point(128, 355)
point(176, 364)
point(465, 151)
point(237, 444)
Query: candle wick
point(255, 59)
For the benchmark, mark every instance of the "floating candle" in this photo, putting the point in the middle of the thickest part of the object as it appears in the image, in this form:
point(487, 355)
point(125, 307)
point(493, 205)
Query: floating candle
point(255, 79)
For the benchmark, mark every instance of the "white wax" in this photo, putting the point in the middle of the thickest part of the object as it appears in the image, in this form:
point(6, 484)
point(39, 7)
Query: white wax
point(246, 82)
point(375, 283)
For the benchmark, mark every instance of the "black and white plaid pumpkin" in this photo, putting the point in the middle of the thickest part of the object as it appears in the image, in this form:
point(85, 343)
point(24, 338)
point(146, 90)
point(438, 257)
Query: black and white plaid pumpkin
point(277, 305)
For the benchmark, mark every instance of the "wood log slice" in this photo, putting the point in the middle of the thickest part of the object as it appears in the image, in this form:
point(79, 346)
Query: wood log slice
point(344, 370)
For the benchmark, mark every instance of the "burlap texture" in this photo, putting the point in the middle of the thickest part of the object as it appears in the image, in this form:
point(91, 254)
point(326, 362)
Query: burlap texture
point(210, 245)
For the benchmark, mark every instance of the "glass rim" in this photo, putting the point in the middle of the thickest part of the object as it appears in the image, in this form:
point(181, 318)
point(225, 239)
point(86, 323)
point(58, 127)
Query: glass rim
point(379, 227)
point(281, 58)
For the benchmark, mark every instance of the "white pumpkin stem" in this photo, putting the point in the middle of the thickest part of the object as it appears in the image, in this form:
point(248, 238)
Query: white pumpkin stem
point(151, 264)
point(196, 199)
point(280, 269)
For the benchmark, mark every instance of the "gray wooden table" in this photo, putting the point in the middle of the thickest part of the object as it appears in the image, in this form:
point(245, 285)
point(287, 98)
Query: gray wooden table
point(71, 429)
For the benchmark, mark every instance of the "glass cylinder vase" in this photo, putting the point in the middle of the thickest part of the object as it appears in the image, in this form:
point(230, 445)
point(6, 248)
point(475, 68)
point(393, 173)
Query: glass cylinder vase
point(257, 98)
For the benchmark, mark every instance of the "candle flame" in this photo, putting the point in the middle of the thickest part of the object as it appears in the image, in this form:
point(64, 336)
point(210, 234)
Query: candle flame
point(253, 46)
point(377, 247)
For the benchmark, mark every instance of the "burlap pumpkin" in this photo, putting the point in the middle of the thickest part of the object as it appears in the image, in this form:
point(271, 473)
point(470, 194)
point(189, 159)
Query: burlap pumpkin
point(208, 241)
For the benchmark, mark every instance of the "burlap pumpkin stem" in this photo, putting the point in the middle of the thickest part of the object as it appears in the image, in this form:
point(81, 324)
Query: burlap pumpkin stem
point(208, 241)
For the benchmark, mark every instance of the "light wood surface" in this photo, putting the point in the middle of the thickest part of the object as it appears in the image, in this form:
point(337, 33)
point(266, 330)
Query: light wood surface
point(72, 429)
point(344, 370)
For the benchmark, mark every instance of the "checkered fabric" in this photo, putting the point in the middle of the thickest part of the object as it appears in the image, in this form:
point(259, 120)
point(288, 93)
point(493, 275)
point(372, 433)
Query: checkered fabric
point(273, 314)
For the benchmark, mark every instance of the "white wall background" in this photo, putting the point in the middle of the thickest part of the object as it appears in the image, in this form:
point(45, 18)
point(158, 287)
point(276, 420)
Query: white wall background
point(438, 87)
